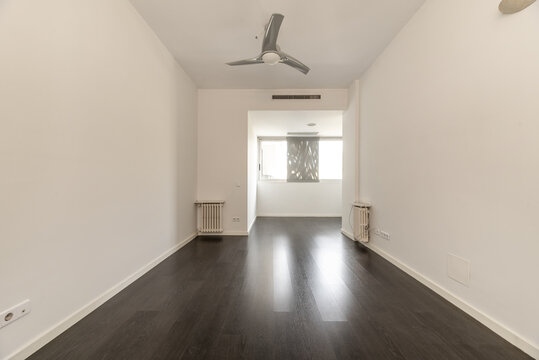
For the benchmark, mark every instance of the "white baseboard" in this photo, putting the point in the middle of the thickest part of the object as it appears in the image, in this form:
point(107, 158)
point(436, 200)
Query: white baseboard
point(225, 233)
point(45, 337)
point(300, 215)
point(520, 342)
point(347, 234)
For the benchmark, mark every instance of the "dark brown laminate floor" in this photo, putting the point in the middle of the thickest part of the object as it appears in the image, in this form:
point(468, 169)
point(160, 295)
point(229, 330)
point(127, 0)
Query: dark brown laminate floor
point(293, 289)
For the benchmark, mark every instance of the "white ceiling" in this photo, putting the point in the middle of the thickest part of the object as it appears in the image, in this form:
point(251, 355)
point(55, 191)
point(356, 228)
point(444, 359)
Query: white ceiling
point(337, 39)
point(279, 123)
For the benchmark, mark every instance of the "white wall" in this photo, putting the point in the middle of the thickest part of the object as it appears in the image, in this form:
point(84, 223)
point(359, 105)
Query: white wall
point(97, 155)
point(350, 179)
point(223, 142)
point(449, 154)
point(252, 199)
point(281, 198)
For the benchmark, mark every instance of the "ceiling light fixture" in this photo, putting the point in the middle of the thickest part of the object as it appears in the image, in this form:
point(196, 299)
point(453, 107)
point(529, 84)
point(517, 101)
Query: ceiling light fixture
point(311, 124)
point(514, 6)
point(271, 58)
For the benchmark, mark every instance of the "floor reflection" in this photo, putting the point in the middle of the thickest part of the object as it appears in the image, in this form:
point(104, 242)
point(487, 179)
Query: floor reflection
point(282, 283)
point(329, 290)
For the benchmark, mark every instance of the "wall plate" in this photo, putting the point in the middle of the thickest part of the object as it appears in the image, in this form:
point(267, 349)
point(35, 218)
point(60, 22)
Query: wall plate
point(458, 269)
point(13, 314)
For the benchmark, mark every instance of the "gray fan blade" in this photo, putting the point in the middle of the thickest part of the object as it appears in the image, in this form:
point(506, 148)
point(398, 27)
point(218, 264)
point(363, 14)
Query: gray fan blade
point(295, 63)
point(246, 62)
point(513, 6)
point(272, 31)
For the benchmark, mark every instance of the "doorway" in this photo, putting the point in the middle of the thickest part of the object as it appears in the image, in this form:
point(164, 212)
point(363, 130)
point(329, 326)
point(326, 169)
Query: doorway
point(295, 164)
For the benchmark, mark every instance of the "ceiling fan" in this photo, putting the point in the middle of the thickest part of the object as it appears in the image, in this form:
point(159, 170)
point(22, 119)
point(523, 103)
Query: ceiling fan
point(271, 52)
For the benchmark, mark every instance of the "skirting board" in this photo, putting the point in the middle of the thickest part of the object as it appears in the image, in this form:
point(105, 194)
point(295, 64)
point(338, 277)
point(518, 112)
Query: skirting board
point(301, 215)
point(527, 346)
point(225, 233)
point(347, 234)
point(45, 337)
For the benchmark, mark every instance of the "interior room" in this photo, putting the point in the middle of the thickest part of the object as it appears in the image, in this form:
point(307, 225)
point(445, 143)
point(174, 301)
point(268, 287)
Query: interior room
point(271, 134)
point(346, 179)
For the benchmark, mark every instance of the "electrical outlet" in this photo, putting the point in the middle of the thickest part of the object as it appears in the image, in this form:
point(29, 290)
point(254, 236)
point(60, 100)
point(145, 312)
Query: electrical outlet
point(235, 219)
point(16, 312)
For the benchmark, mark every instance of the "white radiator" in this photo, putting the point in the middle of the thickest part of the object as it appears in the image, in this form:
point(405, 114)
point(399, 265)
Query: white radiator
point(210, 218)
point(361, 222)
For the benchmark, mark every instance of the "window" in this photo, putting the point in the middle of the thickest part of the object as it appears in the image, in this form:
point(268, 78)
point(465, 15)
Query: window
point(273, 159)
point(330, 159)
point(301, 159)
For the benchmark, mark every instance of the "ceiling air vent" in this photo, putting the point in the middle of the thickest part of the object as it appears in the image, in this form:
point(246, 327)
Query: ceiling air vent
point(296, 133)
point(296, 97)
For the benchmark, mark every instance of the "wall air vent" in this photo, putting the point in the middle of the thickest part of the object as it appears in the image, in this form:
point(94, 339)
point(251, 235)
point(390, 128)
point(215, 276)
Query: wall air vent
point(296, 97)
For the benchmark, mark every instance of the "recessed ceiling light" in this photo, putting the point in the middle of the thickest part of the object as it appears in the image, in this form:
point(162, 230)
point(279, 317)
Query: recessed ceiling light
point(311, 124)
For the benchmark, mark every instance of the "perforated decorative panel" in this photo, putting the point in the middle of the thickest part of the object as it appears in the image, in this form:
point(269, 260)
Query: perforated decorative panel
point(303, 160)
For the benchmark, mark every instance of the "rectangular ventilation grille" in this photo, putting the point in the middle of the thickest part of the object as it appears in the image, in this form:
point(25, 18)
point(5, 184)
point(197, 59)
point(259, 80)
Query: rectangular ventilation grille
point(296, 97)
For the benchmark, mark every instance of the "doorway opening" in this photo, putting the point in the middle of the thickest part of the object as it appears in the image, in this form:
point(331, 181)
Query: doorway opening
point(295, 164)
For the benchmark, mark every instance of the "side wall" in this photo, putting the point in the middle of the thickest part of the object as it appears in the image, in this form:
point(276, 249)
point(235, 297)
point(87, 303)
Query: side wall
point(252, 170)
point(350, 179)
point(97, 156)
point(223, 142)
point(449, 155)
